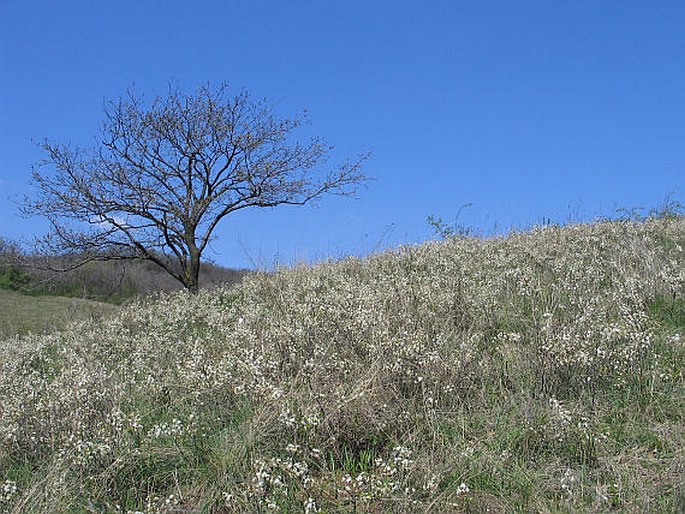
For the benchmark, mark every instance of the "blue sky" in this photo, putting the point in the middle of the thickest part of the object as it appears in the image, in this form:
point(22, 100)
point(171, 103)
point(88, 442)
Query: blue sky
point(526, 110)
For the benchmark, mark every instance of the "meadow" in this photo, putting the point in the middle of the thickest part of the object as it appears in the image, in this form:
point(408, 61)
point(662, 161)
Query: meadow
point(22, 314)
point(542, 371)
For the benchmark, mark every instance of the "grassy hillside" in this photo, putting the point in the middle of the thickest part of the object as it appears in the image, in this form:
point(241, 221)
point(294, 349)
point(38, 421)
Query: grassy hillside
point(20, 314)
point(541, 372)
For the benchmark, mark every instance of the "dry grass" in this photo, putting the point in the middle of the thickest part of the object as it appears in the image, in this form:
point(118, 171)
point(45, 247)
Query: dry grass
point(541, 372)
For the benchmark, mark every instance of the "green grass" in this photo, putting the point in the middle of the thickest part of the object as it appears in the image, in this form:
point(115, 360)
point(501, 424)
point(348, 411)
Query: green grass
point(668, 311)
point(23, 314)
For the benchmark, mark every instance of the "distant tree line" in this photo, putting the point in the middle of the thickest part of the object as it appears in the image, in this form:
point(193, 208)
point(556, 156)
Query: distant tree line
point(114, 281)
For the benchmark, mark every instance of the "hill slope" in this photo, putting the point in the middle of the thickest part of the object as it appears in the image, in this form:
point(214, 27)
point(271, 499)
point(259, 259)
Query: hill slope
point(538, 372)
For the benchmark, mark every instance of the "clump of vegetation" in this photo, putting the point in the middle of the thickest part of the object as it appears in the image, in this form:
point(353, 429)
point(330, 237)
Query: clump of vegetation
point(542, 371)
point(12, 276)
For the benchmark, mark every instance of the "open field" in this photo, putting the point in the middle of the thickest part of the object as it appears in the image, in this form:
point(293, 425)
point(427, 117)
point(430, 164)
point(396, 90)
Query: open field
point(539, 372)
point(21, 314)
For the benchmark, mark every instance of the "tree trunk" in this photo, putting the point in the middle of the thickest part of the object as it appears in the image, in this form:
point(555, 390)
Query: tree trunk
point(193, 272)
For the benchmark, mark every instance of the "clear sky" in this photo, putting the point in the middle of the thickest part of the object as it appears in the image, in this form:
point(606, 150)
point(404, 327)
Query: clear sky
point(526, 110)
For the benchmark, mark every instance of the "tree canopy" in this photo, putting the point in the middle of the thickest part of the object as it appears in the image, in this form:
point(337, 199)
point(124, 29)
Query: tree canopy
point(164, 174)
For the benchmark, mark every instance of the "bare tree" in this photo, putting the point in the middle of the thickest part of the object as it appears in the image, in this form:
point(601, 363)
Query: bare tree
point(163, 176)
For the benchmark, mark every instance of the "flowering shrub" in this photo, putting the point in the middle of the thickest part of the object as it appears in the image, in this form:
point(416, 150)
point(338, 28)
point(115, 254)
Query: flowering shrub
point(438, 377)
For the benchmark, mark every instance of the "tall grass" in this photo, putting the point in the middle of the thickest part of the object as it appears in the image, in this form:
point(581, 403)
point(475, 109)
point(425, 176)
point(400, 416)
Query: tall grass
point(538, 372)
